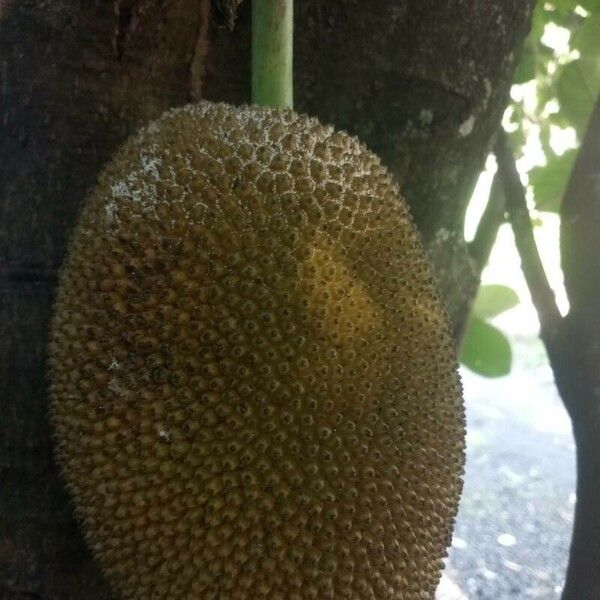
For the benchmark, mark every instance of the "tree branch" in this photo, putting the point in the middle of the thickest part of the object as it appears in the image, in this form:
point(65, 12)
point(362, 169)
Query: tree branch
point(580, 220)
point(487, 230)
point(542, 294)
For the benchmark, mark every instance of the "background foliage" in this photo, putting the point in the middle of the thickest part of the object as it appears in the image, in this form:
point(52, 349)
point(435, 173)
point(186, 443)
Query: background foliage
point(553, 94)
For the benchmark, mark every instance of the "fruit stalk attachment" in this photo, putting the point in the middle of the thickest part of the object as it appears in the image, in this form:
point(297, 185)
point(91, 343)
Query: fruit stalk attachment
point(272, 52)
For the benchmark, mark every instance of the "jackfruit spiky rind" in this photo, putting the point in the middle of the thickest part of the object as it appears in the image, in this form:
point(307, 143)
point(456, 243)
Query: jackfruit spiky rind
point(254, 392)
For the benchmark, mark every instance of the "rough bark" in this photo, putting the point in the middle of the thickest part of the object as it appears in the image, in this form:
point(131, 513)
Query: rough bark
point(78, 77)
point(423, 83)
point(580, 377)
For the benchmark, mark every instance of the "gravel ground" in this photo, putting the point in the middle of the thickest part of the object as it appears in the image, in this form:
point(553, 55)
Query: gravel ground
point(512, 533)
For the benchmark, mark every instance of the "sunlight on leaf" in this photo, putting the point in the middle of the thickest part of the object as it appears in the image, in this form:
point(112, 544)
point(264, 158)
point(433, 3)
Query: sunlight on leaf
point(485, 349)
point(493, 300)
point(549, 182)
point(578, 87)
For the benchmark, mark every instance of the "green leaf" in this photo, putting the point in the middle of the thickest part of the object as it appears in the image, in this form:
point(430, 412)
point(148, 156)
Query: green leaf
point(485, 349)
point(592, 6)
point(540, 17)
point(526, 69)
point(578, 87)
point(537, 222)
point(587, 38)
point(564, 13)
point(545, 135)
point(565, 5)
point(493, 300)
point(549, 182)
point(517, 139)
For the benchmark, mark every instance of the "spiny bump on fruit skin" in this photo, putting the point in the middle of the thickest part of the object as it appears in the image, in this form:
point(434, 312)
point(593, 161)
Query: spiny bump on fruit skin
point(254, 392)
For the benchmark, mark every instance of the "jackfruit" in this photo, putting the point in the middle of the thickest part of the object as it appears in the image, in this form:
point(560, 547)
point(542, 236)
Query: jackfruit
point(254, 392)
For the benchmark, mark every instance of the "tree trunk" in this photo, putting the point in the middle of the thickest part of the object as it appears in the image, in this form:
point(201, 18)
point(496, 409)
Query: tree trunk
point(423, 83)
point(583, 580)
point(579, 378)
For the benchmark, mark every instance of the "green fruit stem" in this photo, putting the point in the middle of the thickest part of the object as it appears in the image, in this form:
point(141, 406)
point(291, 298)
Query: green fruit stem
point(272, 52)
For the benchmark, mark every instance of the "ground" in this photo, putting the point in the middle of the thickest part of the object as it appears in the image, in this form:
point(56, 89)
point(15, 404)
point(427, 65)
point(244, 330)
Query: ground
point(512, 533)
